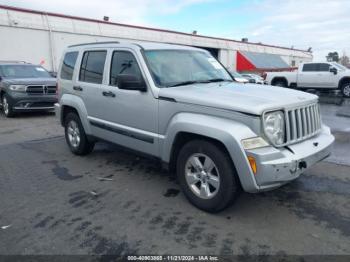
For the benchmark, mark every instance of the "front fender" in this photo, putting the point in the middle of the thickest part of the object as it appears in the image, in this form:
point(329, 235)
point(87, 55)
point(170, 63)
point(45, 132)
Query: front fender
point(78, 104)
point(227, 131)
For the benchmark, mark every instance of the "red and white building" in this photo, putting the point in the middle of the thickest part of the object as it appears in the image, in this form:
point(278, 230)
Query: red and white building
point(40, 37)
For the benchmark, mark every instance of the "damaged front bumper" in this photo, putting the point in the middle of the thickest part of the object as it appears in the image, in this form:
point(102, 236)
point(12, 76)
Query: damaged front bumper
point(277, 166)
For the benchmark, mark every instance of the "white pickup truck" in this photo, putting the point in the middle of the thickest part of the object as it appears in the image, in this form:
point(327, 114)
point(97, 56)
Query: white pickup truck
point(326, 76)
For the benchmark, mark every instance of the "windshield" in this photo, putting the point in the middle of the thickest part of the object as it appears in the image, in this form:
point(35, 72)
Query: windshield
point(23, 71)
point(179, 67)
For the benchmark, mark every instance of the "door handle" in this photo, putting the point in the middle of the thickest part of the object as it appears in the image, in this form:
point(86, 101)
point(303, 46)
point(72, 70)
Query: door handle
point(78, 88)
point(109, 93)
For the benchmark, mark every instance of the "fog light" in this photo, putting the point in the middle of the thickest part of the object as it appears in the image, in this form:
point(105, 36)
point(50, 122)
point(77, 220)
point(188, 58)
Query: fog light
point(252, 164)
point(253, 143)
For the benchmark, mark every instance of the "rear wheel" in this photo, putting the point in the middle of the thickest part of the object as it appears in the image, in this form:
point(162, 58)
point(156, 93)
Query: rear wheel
point(207, 175)
point(75, 135)
point(280, 83)
point(7, 106)
point(345, 89)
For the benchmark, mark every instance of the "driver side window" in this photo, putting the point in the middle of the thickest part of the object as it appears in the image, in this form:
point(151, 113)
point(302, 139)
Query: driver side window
point(123, 62)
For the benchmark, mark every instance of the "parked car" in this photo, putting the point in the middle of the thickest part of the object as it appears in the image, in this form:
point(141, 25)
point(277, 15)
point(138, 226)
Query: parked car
point(238, 77)
point(256, 79)
point(179, 105)
point(25, 87)
point(322, 76)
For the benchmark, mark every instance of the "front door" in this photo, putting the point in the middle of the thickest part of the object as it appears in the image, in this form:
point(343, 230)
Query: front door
point(326, 78)
point(126, 117)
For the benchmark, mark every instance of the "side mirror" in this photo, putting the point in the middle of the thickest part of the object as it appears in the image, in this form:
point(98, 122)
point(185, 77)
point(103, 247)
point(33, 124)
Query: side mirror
point(333, 70)
point(53, 74)
point(131, 82)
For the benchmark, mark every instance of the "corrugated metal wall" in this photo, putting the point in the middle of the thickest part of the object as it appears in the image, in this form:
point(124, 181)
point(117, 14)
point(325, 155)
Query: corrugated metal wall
point(37, 37)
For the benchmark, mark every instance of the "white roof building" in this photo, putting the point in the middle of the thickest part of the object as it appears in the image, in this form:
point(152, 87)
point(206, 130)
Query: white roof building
point(40, 37)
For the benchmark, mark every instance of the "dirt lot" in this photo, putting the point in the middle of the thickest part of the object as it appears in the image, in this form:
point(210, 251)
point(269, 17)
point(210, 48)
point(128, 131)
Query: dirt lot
point(55, 203)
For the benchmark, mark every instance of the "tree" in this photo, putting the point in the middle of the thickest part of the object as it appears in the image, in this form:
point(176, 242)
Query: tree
point(333, 57)
point(345, 60)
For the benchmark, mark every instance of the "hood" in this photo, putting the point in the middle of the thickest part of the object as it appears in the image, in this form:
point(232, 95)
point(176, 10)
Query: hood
point(30, 81)
point(248, 98)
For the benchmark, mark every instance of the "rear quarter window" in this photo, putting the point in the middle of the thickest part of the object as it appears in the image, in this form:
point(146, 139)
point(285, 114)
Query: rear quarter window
point(68, 65)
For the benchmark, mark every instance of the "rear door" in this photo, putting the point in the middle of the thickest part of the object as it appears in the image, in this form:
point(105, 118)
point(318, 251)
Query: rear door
point(308, 75)
point(90, 77)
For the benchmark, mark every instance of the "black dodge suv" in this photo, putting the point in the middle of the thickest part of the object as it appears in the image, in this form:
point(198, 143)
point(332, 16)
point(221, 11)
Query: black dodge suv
point(26, 87)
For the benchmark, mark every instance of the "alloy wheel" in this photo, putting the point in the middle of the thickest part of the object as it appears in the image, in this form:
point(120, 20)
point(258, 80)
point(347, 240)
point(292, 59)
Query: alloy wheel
point(346, 90)
point(5, 106)
point(202, 176)
point(73, 134)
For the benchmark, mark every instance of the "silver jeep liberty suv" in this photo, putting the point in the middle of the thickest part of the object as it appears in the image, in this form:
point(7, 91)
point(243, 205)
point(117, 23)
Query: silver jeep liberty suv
point(180, 105)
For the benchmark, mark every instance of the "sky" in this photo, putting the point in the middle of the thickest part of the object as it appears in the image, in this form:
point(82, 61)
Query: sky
point(323, 25)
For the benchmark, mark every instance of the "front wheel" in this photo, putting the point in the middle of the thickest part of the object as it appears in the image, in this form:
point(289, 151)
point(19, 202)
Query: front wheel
point(345, 90)
point(207, 176)
point(7, 106)
point(75, 135)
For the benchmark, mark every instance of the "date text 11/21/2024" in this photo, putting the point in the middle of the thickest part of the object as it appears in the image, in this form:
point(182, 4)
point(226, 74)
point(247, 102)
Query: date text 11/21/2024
point(173, 258)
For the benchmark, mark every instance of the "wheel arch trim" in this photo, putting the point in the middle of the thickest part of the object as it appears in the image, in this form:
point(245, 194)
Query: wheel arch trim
point(343, 80)
point(228, 132)
point(276, 78)
point(68, 100)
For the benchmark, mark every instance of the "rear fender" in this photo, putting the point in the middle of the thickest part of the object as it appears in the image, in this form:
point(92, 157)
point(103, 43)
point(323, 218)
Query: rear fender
point(78, 104)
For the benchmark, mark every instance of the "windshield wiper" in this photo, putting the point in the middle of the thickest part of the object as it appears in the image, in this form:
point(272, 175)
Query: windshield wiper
point(219, 80)
point(189, 83)
point(200, 82)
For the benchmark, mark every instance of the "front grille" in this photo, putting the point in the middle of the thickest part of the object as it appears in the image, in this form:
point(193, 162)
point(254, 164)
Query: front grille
point(42, 89)
point(302, 123)
point(51, 89)
point(35, 89)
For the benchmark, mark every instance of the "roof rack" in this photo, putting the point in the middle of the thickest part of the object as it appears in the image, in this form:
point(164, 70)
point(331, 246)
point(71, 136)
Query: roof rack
point(96, 43)
point(13, 61)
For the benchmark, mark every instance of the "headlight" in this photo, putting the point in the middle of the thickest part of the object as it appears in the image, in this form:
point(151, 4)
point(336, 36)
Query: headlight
point(18, 88)
point(274, 127)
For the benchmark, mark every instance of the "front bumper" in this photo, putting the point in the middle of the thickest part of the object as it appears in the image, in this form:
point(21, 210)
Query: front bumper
point(25, 102)
point(277, 166)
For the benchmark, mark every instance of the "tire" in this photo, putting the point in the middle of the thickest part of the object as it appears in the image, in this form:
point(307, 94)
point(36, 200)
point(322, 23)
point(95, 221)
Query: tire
point(75, 135)
point(345, 90)
point(211, 199)
point(7, 106)
point(280, 83)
